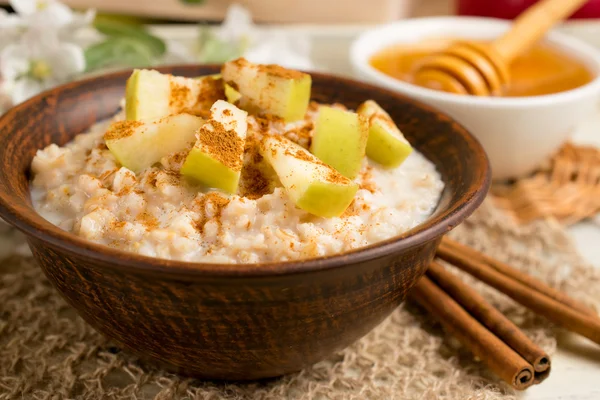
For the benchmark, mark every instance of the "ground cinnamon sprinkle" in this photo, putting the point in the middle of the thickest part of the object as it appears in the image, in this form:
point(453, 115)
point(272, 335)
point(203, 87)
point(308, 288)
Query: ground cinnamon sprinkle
point(179, 96)
point(335, 177)
point(118, 225)
point(300, 155)
point(254, 183)
point(148, 220)
point(172, 178)
point(211, 90)
point(218, 203)
point(222, 144)
point(152, 178)
point(366, 178)
point(179, 157)
point(271, 69)
point(305, 131)
point(354, 209)
point(265, 122)
point(124, 191)
point(121, 129)
point(281, 72)
point(174, 161)
point(104, 177)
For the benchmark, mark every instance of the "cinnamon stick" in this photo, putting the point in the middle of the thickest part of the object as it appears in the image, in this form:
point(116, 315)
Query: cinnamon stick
point(553, 310)
point(490, 317)
point(500, 358)
point(449, 244)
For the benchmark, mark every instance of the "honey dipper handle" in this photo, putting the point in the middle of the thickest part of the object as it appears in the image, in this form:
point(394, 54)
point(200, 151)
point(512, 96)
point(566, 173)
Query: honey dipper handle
point(531, 26)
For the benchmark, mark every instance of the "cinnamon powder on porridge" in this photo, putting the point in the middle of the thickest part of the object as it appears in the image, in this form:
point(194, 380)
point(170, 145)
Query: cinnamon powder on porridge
point(211, 91)
point(254, 183)
point(366, 177)
point(148, 220)
point(218, 203)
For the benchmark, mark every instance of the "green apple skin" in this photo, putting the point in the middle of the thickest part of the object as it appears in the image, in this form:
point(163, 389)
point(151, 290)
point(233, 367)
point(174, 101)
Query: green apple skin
point(150, 95)
point(205, 163)
point(340, 140)
point(325, 200)
point(312, 185)
point(202, 168)
point(146, 95)
point(137, 145)
point(386, 145)
point(231, 94)
point(272, 89)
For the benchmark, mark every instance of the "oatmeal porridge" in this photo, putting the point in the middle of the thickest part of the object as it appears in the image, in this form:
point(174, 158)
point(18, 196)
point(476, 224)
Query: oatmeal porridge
point(210, 181)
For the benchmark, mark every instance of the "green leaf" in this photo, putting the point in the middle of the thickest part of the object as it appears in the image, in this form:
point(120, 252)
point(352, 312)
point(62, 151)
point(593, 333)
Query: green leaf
point(114, 28)
point(118, 51)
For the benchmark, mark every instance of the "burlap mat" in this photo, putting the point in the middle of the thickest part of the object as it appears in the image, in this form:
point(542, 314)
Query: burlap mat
point(566, 188)
point(47, 352)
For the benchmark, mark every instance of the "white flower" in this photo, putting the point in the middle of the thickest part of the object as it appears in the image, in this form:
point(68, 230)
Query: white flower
point(52, 14)
point(237, 25)
point(285, 50)
point(238, 34)
point(178, 52)
point(11, 28)
point(38, 62)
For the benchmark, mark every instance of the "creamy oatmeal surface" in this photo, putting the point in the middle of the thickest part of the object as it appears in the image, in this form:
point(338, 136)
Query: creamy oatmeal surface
point(159, 213)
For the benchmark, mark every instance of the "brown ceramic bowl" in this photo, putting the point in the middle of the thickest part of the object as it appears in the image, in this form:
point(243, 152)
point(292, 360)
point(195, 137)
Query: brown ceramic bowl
point(233, 321)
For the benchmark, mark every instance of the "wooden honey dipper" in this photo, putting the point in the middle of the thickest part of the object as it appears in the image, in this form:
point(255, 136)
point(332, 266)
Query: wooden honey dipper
point(475, 68)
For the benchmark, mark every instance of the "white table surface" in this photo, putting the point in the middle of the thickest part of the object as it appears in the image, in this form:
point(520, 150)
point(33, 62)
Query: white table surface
point(576, 365)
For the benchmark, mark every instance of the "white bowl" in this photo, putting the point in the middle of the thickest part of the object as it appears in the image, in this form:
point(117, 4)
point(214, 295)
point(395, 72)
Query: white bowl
point(518, 133)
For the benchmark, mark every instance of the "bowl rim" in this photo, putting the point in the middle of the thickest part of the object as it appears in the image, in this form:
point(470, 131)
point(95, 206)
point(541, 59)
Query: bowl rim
point(41, 229)
point(359, 58)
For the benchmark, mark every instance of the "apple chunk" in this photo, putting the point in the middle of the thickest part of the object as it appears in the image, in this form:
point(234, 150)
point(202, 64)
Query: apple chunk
point(138, 145)
point(340, 140)
point(217, 157)
point(386, 144)
point(231, 94)
point(150, 95)
point(269, 88)
point(312, 185)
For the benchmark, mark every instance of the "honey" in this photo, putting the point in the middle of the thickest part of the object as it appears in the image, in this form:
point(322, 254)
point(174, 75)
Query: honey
point(540, 71)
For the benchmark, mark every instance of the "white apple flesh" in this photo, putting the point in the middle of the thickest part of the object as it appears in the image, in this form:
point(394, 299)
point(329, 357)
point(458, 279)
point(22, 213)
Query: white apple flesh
point(139, 144)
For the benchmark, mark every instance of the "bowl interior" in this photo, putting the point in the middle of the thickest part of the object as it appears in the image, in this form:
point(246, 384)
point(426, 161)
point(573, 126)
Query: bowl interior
point(56, 116)
point(419, 29)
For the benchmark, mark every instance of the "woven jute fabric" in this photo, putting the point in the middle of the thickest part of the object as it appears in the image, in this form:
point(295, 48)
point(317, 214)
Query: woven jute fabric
point(567, 188)
point(48, 352)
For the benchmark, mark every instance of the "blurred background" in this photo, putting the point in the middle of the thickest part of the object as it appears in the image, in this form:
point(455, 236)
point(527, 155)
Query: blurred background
point(314, 11)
